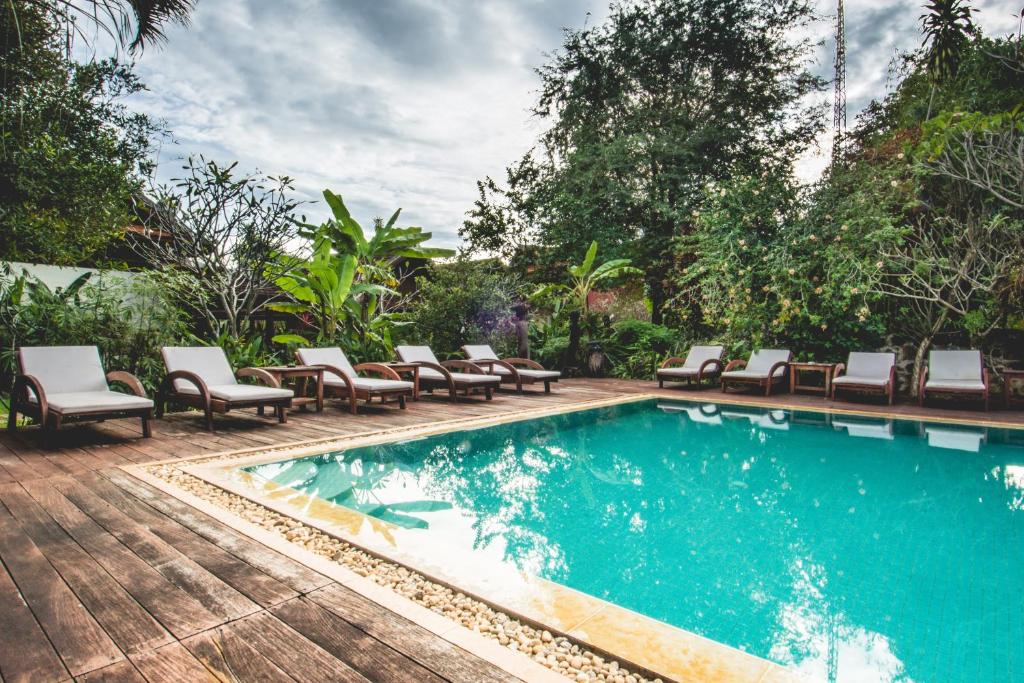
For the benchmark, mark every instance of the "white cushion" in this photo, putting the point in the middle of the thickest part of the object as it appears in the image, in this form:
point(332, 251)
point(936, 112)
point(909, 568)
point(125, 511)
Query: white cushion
point(88, 401)
point(680, 371)
point(480, 352)
point(64, 369)
point(954, 365)
point(328, 356)
point(419, 354)
point(539, 375)
point(240, 392)
point(749, 374)
point(865, 381)
point(699, 354)
point(371, 383)
point(467, 378)
point(863, 364)
point(209, 362)
point(955, 384)
point(762, 360)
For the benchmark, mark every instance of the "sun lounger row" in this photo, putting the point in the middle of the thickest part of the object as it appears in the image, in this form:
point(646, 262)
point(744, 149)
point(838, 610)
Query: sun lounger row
point(961, 373)
point(58, 383)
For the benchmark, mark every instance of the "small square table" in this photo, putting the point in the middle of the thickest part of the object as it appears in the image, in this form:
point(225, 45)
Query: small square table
point(826, 369)
point(412, 369)
point(301, 374)
point(1009, 376)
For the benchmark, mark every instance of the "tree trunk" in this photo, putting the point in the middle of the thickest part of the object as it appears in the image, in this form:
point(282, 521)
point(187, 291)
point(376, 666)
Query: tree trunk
point(572, 354)
point(657, 301)
point(922, 349)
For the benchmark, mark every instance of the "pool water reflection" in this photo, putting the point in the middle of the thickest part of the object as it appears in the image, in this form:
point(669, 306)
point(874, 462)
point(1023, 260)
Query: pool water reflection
point(850, 548)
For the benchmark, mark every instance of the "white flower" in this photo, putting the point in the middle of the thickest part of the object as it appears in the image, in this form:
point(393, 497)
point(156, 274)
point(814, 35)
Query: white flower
point(894, 183)
point(900, 156)
point(792, 271)
point(879, 264)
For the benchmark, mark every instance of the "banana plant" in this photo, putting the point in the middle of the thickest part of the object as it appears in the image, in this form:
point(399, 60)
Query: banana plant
point(585, 277)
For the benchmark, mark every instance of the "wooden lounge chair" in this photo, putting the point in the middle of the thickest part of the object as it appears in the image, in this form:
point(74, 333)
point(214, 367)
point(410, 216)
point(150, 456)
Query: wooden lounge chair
point(437, 375)
point(867, 372)
point(341, 380)
point(958, 373)
point(201, 377)
point(765, 368)
point(518, 371)
point(58, 383)
point(700, 362)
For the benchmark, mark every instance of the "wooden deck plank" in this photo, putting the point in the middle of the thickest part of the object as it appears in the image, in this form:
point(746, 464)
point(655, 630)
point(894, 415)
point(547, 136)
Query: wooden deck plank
point(411, 640)
point(80, 641)
point(231, 658)
point(203, 586)
point(131, 627)
point(122, 672)
point(364, 653)
point(295, 654)
point(26, 654)
point(247, 579)
point(179, 612)
point(172, 663)
point(297, 576)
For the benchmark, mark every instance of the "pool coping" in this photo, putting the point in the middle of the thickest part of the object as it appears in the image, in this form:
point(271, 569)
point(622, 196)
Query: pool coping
point(622, 634)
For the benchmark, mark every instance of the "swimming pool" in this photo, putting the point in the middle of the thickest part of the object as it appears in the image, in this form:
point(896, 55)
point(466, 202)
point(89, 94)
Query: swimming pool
point(851, 548)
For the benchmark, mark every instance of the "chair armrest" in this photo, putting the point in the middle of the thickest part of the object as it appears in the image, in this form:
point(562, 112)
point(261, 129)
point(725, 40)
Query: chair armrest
point(739, 363)
point(892, 377)
point(19, 394)
point(261, 375)
point(524, 362)
point(127, 379)
point(504, 364)
point(984, 378)
point(704, 367)
point(840, 369)
point(472, 367)
point(672, 360)
point(440, 368)
point(167, 386)
point(921, 381)
point(377, 368)
point(781, 364)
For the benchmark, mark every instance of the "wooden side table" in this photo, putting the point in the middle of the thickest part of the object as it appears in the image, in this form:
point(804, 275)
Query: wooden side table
point(826, 369)
point(411, 369)
point(301, 374)
point(1009, 376)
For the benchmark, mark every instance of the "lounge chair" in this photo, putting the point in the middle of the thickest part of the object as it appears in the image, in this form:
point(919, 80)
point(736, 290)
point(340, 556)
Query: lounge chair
point(700, 362)
point(56, 383)
point(765, 368)
point(437, 375)
point(872, 372)
point(343, 381)
point(954, 373)
point(201, 377)
point(518, 371)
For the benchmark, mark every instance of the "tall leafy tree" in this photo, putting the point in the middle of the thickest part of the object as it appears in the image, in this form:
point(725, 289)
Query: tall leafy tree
point(647, 108)
point(132, 23)
point(71, 154)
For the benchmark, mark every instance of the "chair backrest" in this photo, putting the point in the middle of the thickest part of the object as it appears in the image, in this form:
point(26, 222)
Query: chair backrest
point(699, 354)
point(64, 369)
point(209, 362)
point(870, 365)
point(419, 354)
point(762, 360)
point(479, 352)
point(328, 356)
point(957, 365)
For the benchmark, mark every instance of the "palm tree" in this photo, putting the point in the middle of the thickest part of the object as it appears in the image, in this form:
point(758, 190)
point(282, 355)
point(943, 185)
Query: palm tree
point(132, 23)
point(947, 28)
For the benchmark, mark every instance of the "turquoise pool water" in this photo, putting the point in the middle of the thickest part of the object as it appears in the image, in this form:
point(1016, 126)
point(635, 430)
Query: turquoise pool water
point(854, 549)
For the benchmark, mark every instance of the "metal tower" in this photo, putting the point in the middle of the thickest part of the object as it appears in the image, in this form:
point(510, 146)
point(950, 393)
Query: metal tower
point(839, 105)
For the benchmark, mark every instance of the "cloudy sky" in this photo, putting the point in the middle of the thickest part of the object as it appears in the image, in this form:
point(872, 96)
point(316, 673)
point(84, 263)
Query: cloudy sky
point(406, 103)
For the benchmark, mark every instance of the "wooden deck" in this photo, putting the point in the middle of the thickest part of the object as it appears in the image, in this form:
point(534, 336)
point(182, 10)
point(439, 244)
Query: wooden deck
point(106, 578)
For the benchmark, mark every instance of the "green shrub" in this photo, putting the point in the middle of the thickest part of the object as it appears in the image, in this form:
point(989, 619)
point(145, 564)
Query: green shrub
point(636, 347)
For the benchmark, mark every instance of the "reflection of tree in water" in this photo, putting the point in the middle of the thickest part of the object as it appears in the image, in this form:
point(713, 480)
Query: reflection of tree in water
point(772, 540)
point(354, 481)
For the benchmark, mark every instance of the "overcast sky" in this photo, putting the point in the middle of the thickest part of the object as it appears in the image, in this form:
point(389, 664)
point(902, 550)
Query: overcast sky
point(406, 103)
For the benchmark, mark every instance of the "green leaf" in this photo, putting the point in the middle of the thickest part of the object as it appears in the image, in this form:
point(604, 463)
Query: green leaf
point(289, 339)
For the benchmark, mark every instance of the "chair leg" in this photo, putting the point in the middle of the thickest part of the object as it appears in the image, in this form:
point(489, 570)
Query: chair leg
point(487, 393)
point(547, 387)
point(282, 414)
point(147, 425)
point(353, 406)
point(768, 388)
point(12, 418)
point(209, 420)
point(661, 384)
point(401, 401)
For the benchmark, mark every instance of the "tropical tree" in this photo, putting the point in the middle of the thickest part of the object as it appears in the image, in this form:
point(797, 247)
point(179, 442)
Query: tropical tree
point(947, 30)
point(132, 23)
point(585, 277)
